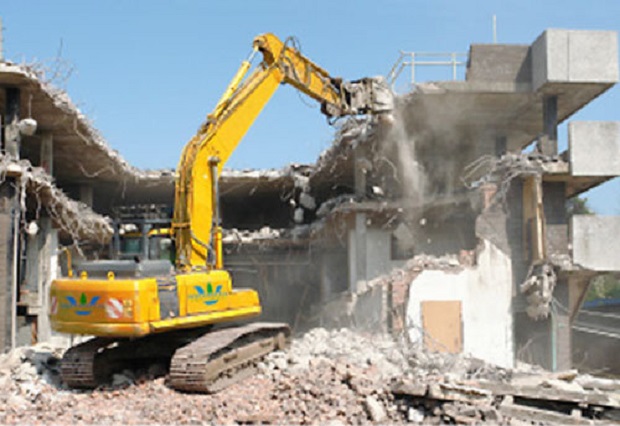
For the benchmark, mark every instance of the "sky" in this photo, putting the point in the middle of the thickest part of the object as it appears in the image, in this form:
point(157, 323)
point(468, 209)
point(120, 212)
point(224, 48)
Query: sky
point(147, 72)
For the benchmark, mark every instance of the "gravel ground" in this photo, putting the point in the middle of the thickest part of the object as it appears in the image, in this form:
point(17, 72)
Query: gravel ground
point(324, 377)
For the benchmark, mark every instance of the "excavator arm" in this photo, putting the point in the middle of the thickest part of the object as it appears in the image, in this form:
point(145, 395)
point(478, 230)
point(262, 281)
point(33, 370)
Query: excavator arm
point(196, 219)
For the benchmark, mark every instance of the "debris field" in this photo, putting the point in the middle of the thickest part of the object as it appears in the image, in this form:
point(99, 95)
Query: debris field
point(324, 377)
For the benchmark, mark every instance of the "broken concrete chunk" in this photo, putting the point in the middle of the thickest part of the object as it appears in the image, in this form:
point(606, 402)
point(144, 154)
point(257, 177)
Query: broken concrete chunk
point(123, 380)
point(27, 126)
point(298, 216)
point(376, 190)
point(375, 409)
point(415, 415)
point(589, 382)
point(307, 201)
point(491, 414)
point(562, 385)
point(301, 181)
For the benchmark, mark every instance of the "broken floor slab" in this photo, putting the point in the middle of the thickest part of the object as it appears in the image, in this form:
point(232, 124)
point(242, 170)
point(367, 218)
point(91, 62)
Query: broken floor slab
point(72, 217)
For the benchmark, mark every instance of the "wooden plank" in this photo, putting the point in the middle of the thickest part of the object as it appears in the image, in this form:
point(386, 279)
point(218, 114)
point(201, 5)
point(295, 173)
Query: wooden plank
point(442, 325)
point(531, 414)
point(551, 394)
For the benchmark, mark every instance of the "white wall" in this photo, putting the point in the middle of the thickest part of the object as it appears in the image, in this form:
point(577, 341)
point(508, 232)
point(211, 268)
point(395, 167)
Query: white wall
point(485, 292)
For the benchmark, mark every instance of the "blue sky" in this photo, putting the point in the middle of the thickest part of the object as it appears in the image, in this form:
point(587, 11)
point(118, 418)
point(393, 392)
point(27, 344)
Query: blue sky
point(148, 72)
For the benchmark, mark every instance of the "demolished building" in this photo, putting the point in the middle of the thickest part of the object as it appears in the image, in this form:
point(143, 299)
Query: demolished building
point(439, 227)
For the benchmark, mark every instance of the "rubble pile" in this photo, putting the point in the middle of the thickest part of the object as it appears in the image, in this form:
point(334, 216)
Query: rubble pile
point(324, 377)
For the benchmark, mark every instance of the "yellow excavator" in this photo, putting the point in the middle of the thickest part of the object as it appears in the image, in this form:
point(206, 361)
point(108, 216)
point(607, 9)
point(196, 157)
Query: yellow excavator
point(190, 317)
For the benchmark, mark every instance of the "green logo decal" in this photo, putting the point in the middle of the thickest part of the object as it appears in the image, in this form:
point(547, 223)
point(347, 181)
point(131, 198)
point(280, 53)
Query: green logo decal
point(206, 293)
point(83, 307)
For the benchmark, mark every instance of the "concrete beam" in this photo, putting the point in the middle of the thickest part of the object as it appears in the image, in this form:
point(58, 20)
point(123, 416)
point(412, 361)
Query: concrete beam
point(594, 148)
point(594, 244)
point(574, 56)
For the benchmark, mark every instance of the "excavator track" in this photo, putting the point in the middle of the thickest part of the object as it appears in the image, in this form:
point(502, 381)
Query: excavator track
point(223, 357)
point(200, 361)
point(81, 367)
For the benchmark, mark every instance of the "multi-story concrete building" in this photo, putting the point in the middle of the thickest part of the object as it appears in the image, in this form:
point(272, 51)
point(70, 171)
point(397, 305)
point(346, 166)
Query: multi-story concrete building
point(488, 261)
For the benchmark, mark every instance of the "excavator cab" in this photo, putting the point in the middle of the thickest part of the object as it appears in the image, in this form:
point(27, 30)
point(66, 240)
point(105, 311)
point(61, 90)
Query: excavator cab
point(143, 231)
point(159, 241)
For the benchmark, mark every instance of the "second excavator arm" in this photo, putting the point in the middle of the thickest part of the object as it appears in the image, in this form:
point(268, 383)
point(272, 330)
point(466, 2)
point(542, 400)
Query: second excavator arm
point(196, 219)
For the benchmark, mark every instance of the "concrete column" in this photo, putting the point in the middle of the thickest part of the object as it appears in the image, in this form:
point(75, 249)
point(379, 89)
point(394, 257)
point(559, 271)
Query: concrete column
point(361, 169)
point(561, 348)
point(501, 145)
point(549, 141)
point(326, 283)
point(48, 273)
point(47, 153)
point(11, 130)
point(357, 237)
point(31, 286)
point(357, 254)
point(578, 286)
point(86, 195)
point(9, 223)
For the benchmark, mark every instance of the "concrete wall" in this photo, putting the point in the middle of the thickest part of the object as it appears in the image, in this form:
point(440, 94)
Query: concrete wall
point(378, 253)
point(370, 257)
point(563, 56)
point(499, 63)
point(485, 293)
point(595, 242)
point(594, 148)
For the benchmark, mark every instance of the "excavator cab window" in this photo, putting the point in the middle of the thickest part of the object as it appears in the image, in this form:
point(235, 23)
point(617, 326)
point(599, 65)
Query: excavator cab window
point(161, 247)
point(131, 245)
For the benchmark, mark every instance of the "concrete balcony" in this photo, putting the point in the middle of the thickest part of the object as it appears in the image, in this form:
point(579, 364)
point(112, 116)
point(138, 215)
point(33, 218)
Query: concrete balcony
point(595, 242)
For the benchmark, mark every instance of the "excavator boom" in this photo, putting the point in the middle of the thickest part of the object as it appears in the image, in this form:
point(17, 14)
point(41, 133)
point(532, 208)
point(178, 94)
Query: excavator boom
point(196, 221)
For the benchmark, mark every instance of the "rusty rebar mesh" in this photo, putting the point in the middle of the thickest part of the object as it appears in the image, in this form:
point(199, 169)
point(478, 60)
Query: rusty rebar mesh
point(75, 218)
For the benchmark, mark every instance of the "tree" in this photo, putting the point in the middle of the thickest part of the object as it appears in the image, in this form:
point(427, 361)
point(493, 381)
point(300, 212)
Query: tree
point(604, 287)
point(578, 205)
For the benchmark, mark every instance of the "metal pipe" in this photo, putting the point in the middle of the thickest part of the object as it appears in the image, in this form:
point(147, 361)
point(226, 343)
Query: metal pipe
point(454, 66)
point(144, 239)
point(1, 42)
point(412, 68)
point(216, 233)
point(554, 346)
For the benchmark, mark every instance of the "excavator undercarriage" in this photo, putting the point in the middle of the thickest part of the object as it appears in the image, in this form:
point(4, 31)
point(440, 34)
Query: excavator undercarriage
point(203, 360)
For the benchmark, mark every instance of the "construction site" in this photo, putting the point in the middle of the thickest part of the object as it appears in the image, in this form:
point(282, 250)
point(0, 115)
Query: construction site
point(428, 263)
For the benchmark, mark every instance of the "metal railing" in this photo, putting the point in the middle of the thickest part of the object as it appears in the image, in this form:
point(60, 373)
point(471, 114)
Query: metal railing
point(415, 59)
